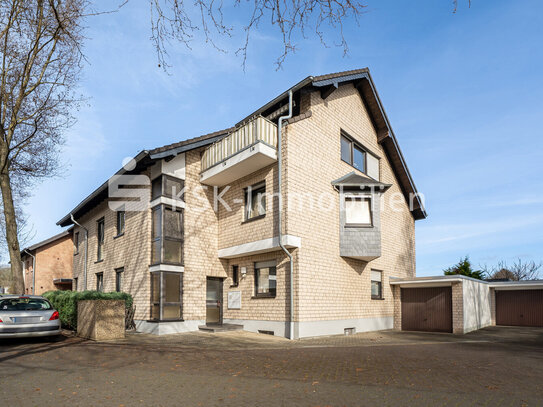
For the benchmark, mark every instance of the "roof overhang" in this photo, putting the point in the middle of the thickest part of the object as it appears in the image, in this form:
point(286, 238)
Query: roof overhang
point(363, 82)
point(444, 281)
point(101, 192)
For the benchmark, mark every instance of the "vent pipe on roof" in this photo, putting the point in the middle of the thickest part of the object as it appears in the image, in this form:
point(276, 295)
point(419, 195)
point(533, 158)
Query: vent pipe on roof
point(86, 251)
point(280, 212)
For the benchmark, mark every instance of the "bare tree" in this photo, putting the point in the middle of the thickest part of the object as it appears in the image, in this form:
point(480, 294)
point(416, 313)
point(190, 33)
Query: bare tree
point(179, 20)
point(518, 271)
point(40, 46)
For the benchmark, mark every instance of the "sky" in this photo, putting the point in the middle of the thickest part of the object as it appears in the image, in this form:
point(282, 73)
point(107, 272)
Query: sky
point(463, 92)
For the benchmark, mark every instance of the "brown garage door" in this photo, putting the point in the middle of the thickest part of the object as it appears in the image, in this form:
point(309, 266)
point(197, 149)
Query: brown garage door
point(427, 309)
point(519, 308)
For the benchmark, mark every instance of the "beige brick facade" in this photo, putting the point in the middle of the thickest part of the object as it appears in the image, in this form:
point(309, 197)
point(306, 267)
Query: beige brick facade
point(130, 251)
point(327, 286)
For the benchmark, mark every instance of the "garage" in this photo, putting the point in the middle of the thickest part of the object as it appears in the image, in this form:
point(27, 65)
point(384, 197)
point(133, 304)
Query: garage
point(519, 308)
point(427, 309)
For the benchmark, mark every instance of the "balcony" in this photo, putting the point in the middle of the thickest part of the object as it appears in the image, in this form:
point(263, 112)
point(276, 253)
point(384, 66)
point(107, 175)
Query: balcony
point(244, 151)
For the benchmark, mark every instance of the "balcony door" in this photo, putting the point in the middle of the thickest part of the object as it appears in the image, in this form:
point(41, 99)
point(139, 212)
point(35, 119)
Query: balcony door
point(214, 301)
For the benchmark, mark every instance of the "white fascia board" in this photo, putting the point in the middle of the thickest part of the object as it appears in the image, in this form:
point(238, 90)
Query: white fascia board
point(517, 285)
point(260, 246)
point(176, 203)
point(166, 267)
point(232, 168)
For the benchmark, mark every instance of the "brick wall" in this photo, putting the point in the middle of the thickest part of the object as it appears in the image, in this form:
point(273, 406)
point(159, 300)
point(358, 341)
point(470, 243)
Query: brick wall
point(53, 260)
point(457, 308)
point(329, 286)
point(131, 251)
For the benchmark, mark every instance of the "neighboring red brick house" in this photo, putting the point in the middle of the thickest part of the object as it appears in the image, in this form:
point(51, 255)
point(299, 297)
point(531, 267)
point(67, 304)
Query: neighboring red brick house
point(53, 262)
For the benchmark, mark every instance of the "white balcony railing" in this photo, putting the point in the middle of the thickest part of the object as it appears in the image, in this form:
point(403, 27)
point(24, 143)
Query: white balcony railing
point(257, 130)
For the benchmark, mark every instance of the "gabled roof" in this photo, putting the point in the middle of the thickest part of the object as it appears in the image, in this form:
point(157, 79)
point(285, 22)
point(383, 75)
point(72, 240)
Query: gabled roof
point(355, 180)
point(186, 145)
point(62, 234)
point(363, 82)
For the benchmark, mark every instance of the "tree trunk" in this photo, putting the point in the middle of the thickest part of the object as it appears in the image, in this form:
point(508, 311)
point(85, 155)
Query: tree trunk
point(18, 284)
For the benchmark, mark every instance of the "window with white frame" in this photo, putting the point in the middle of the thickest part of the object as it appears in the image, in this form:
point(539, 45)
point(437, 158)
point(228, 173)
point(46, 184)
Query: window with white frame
point(358, 211)
point(376, 285)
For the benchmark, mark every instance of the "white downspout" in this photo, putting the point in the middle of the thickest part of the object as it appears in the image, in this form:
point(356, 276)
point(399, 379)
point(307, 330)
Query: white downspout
point(86, 251)
point(33, 271)
point(280, 212)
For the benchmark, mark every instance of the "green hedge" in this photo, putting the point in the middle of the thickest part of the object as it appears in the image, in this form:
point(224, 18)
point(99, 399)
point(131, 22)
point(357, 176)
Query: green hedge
point(65, 302)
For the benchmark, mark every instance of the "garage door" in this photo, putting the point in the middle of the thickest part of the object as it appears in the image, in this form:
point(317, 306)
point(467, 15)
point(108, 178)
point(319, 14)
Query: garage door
point(427, 309)
point(519, 308)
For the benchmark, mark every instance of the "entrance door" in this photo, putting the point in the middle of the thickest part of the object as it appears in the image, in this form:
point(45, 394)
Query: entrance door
point(214, 301)
point(427, 309)
point(519, 308)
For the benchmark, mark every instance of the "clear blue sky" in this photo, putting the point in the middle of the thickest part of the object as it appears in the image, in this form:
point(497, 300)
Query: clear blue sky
point(463, 92)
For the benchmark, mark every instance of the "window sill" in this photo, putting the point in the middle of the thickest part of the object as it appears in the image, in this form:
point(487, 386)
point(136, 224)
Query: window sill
point(75, 254)
point(234, 286)
point(358, 226)
point(158, 321)
point(167, 264)
point(378, 298)
point(256, 297)
point(119, 235)
point(253, 219)
point(98, 261)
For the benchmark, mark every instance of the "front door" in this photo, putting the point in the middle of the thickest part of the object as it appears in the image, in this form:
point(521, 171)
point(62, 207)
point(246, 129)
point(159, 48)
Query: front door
point(214, 301)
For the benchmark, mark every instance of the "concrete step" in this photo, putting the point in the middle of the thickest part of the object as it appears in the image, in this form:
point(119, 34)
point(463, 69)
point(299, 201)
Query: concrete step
point(220, 328)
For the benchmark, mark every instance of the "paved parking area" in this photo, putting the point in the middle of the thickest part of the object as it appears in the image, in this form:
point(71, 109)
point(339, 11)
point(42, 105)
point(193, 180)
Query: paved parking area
point(494, 367)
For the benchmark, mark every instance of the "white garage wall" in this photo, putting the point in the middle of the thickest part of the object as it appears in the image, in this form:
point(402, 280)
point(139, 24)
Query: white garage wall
point(476, 305)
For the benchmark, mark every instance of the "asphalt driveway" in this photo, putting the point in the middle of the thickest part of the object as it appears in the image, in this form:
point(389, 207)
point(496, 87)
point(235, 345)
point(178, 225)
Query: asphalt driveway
point(494, 367)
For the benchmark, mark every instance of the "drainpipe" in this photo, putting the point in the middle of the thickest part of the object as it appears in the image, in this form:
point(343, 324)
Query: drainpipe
point(280, 212)
point(86, 251)
point(33, 271)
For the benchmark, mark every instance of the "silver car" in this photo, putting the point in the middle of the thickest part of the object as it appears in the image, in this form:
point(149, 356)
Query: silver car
point(30, 315)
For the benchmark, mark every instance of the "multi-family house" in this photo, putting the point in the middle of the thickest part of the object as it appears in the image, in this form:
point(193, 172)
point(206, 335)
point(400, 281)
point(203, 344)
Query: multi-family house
point(47, 265)
point(292, 222)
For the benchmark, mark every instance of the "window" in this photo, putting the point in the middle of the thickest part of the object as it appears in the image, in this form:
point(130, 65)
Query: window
point(376, 285)
point(235, 276)
point(357, 156)
point(167, 236)
point(120, 222)
point(100, 282)
point(166, 185)
point(100, 228)
point(265, 279)
point(76, 243)
point(358, 211)
point(166, 295)
point(255, 201)
point(75, 284)
point(119, 279)
point(346, 149)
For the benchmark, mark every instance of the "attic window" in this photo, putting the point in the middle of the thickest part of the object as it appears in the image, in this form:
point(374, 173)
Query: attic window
point(357, 156)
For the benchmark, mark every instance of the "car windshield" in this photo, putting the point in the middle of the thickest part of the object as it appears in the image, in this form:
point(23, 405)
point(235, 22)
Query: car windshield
point(24, 304)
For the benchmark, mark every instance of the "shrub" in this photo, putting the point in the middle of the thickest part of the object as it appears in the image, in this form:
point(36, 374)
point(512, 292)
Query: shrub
point(65, 302)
